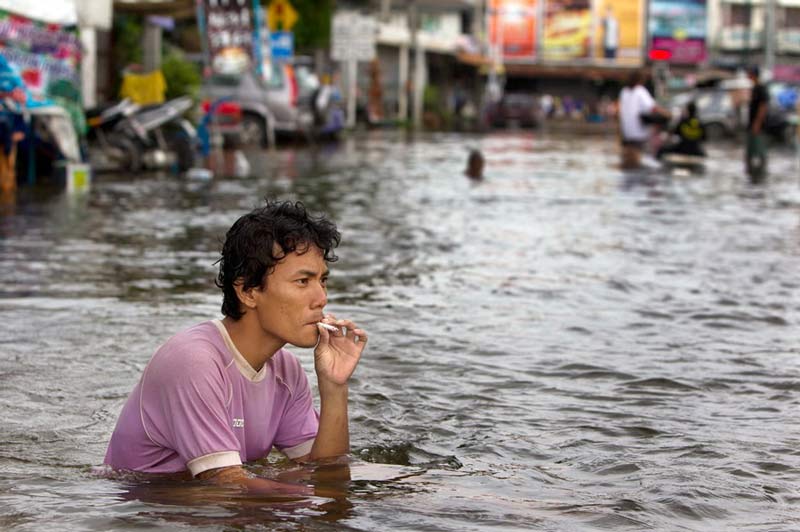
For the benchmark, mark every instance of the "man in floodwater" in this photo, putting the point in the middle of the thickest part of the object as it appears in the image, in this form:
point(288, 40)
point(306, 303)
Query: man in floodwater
point(635, 103)
point(224, 392)
point(756, 147)
point(689, 134)
point(474, 165)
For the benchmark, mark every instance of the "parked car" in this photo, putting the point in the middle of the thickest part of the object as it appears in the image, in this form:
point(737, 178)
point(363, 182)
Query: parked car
point(266, 103)
point(782, 114)
point(277, 101)
point(715, 109)
point(723, 119)
point(514, 108)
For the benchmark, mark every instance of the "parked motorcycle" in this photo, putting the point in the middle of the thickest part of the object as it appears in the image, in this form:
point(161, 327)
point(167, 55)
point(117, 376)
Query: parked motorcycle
point(108, 148)
point(130, 137)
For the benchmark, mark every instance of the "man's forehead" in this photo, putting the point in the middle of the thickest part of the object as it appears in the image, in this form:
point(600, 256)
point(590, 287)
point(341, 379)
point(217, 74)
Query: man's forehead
point(308, 259)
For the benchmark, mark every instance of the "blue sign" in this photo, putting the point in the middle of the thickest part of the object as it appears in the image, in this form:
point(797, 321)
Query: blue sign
point(281, 44)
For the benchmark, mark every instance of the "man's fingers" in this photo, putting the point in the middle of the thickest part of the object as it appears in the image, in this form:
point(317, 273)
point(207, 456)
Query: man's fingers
point(360, 336)
point(324, 334)
point(351, 330)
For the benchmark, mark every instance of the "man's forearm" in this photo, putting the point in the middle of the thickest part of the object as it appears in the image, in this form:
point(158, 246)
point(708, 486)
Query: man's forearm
point(333, 436)
point(237, 476)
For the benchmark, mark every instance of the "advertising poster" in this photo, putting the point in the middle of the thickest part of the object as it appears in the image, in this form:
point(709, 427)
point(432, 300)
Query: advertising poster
point(619, 30)
point(512, 26)
point(229, 35)
point(47, 57)
point(678, 31)
point(567, 29)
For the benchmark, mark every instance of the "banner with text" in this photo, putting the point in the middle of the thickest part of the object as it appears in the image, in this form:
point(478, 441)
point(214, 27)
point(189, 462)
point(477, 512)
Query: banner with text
point(48, 59)
point(229, 35)
point(512, 27)
point(567, 29)
point(677, 31)
point(47, 55)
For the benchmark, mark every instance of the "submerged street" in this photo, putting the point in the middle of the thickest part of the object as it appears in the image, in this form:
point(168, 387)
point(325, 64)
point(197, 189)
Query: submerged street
point(562, 346)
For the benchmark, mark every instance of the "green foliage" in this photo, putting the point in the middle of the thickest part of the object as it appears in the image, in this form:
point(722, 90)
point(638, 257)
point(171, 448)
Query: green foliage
point(127, 45)
point(182, 76)
point(127, 37)
point(430, 98)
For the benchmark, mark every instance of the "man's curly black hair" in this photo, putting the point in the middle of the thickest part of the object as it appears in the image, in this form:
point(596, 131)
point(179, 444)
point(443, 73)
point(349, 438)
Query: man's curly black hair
point(261, 239)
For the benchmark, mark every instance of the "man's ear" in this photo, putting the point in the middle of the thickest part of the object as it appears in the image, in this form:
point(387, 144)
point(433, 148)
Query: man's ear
point(245, 296)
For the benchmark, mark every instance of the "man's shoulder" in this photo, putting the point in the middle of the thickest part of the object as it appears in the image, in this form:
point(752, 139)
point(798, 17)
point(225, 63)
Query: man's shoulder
point(195, 347)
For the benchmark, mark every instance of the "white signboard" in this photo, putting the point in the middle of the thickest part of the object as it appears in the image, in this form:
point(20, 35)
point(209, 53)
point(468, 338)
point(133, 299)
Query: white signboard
point(353, 37)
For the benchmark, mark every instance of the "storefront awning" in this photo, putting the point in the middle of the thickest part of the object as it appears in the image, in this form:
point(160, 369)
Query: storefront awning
point(172, 8)
point(589, 70)
point(50, 11)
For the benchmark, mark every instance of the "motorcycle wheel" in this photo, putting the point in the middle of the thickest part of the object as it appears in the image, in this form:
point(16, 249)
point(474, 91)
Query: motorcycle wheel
point(129, 156)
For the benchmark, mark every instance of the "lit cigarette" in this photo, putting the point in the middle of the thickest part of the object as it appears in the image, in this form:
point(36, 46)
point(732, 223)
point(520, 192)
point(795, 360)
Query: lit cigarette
point(331, 328)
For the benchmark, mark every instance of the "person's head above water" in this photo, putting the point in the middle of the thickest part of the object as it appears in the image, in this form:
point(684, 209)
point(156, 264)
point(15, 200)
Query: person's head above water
point(263, 237)
point(636, 77)
point(475, 165)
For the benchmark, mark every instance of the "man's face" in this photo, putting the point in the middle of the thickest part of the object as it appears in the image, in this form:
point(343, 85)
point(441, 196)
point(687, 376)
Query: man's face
point(293, 298)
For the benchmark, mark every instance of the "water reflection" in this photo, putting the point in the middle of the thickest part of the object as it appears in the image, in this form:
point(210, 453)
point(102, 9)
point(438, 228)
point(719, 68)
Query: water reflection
point(193, 503)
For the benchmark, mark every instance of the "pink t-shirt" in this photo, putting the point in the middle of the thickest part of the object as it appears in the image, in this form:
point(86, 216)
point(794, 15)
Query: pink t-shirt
point(199, 405)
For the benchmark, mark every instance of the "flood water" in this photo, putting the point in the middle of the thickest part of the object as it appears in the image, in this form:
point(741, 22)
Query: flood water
point(561, 347)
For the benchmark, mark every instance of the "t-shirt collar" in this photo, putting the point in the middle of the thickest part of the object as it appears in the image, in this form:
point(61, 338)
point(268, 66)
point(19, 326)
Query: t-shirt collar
point(244, 366)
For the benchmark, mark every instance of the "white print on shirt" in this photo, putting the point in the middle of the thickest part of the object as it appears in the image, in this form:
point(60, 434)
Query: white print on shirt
point(238, 423)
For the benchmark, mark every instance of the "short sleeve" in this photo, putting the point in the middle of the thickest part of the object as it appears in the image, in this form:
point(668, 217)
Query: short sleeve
point(184, 408)
point(300, 421)
point(645, 100)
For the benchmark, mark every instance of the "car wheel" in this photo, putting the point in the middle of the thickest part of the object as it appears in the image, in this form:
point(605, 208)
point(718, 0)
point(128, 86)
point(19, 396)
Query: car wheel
point(253, 131)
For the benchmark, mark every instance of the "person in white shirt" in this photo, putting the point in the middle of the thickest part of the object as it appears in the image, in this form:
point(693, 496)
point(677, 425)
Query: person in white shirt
point(634, 102)
point(610, 34)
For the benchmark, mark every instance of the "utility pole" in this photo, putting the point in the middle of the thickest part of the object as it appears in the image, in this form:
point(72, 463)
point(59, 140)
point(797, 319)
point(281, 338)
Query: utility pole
point(769, 37)
point(746, 49)
point(151, 45)
point(419, 64)
point(496, 48)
